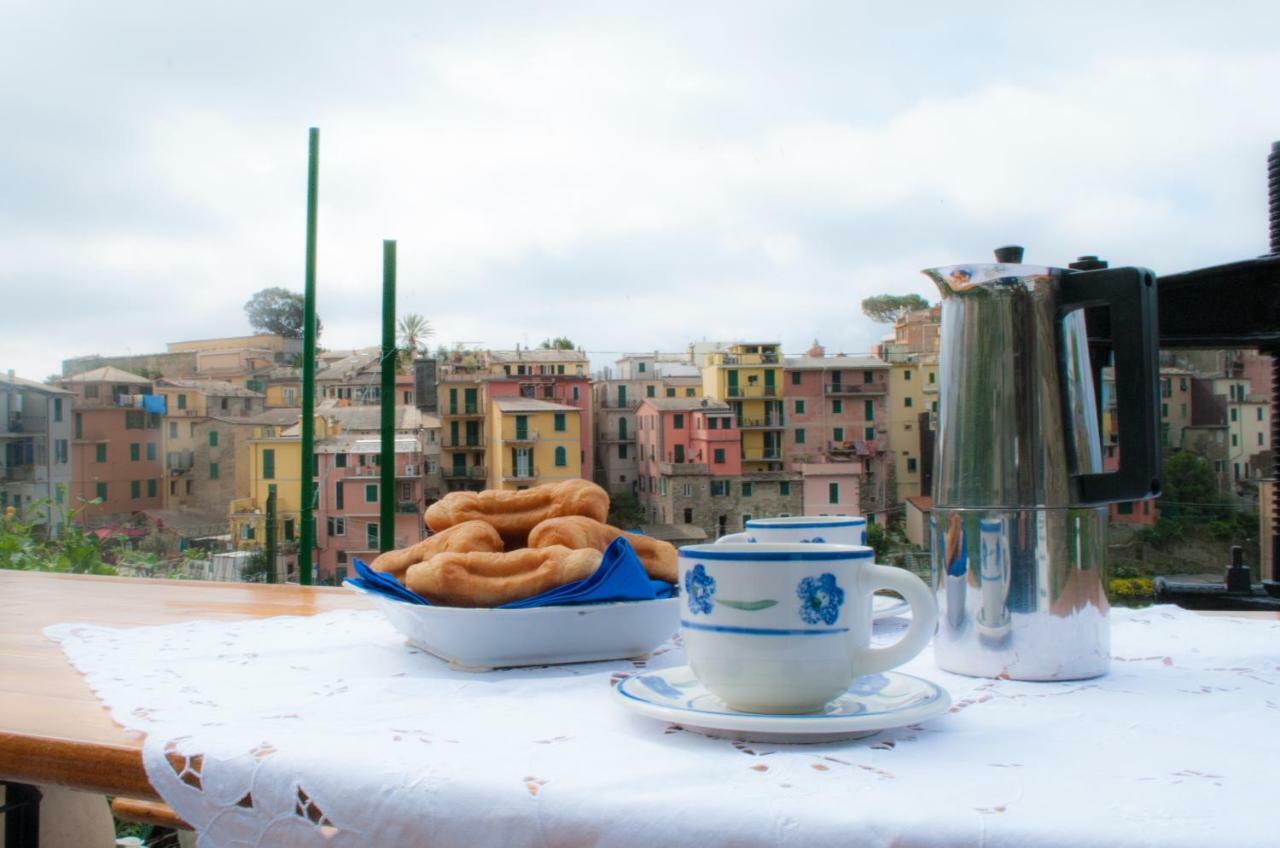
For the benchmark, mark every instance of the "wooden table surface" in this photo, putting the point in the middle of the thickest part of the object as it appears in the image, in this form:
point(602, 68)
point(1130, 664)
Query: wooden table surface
point(53, 729)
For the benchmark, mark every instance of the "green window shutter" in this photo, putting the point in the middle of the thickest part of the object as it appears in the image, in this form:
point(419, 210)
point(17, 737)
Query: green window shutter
point(622, 429)
point(213, 438)
point(371, 493)
point(134, 452)
point(562, 457)
point(101, 453)
point(795, 378)
point(800, 437)
point(833, 493)
point(649, 391)
point(182, 401)
point(560, 425)
point(151, 488)
point(746, 490)
point(671, 391)
point(784, 488)
point(719, 456)
point(837, 406)
point(268, 464)
point(101, 490)
point(79, 426)
point(213, 471)
point(57, 409)
point(869, 409)
point(908, 401)
point(135, 489)
point(839, 434)
point(799, 407)
point(678, 423)
point(151, 451)
point(869, 433)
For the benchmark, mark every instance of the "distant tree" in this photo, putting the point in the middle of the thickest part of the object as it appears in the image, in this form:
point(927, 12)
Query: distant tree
point(414, 332)
point(888, 308)
point(52, 379)
point(278, 311)
point(625, 511)
point(1190, 488)
point(558, 343)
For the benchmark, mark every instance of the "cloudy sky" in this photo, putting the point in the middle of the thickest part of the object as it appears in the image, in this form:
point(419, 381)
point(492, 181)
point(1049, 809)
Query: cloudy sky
point(632, 175)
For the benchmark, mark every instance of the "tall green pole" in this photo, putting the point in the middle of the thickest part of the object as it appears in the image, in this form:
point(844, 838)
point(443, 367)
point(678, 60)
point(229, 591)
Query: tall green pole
point(307, 497)
point(390, 358)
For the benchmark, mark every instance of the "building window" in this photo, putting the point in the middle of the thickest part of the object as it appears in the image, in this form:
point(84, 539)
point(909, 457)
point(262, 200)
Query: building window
point(151, 488)
point(338, 498)
point(911, 464)
point(559, 425)
point(868, 377)
point(687, 490)
point(336, 526)
point(173, 429)
point(837, 406)
point(800, 437)
point(57, 409)
point(622, 451)
point(799, 407)
point(134, 420)
point(101, 491)
point(60, 449)
point(678, 422)
point(795, 378)
point(640, 367)
point(688, 392)
point(869, 410)
point(1164, 410)
point(173, 487)
point(562, 457)
point(906, 375)
point(671, 391)
point(1234, 412)
point(649, 391)
point(718, 456)
point(869, 433)
point(151, 451)
point(213, 438)
point(135, 452)
point(100, 453)
point(662, 485)
point(268, 464)
point(688, 515)
point(838, 435)
point(79, 426)
point(1125, 508)
point(1235, 442)
point(213, 471)
point(371, 536)
point(933, 378)
point(135, 489)
point(746, 490)
point(371, 493)
point(833, 493)
point(719, 488)
point(188, 485)
point(908, 402)
point(339, 460)
point(1259, 438)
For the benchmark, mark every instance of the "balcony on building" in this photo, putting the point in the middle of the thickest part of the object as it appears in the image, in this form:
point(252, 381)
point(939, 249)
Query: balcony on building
point(464, 410)
point(683, 469)
point(855, 389)
point(750, 392)
point(762, 455)
point(470, 472)
point(767, 423)
point(856, 447)
point(520, 474)
point(462, 442)
point(519, 436)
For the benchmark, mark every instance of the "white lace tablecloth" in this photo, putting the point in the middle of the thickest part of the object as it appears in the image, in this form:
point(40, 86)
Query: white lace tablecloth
point(331, 731)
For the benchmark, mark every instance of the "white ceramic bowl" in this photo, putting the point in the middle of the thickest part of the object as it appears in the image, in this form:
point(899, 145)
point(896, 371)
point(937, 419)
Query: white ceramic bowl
point(481, 639)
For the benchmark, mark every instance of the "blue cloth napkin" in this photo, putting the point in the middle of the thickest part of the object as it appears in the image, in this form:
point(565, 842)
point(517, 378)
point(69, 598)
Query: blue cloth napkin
point(620, 577)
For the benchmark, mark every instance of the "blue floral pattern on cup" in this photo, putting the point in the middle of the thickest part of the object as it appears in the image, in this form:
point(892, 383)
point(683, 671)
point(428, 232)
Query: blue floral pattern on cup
point(816, 540)
point(699, 588)
point(820, 599)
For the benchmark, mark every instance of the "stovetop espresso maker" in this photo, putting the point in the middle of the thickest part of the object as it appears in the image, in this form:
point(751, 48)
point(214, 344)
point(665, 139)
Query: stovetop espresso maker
point(1019, 498)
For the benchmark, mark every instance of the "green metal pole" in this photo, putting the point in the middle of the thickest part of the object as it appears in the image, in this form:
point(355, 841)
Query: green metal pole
point(270, 552)
point(390, 358)
point(307, 496)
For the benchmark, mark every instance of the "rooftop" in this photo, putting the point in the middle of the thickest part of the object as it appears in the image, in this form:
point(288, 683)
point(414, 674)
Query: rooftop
point(537, 355)
point(357, 443)
point(217, 388)
point(864, 361)
point(105, 374)
point(21, 382)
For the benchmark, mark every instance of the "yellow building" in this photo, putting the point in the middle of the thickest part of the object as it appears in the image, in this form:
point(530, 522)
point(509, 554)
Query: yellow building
point(748, 376)
point(913, 389)
point(1175, 405)
point(273, 464)
point(531, 442)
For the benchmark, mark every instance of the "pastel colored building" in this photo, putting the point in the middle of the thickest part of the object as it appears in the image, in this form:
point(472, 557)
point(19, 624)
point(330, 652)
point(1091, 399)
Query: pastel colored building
point(116, 448)
point(748, 376)
point(35, 440)
point(837, 426)
point(1175, 405)
point(467, 384)
point(615, 396)
point(691, 471)
point(530, 442)
point(912, 354)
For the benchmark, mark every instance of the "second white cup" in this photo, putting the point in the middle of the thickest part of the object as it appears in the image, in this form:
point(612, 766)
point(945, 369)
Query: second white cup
point(796, 529)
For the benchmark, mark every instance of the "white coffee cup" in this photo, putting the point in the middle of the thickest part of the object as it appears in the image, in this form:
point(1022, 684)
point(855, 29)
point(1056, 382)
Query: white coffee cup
point(813, 529)
point(786, 628)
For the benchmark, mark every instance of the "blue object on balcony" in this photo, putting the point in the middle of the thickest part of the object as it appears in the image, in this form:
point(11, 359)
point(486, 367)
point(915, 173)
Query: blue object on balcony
point(153, 404)
point(620, 577)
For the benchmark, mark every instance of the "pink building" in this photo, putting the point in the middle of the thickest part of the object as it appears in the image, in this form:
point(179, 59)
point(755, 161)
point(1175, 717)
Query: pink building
point(347, 511)
point(837, 427)
point(1144, 513)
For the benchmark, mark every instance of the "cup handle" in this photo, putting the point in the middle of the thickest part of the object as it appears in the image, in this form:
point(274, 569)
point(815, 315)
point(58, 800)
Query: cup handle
point(733, 537)
point(924, 615)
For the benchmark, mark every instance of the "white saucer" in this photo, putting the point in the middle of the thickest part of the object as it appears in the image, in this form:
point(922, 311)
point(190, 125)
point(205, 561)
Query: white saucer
point(887, 606)
point(873, 703)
